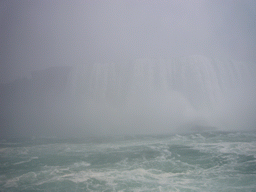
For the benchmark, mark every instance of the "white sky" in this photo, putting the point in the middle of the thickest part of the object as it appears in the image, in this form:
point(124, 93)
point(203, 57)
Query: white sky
point(39, 34)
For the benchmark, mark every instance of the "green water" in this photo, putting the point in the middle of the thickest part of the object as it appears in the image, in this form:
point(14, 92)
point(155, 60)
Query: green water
point(209, 161)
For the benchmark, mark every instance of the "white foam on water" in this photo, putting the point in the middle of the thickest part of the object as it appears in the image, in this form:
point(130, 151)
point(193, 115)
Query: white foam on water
point(240, 148)
point(12, 182)
point(23, 151)
point(81, 164)
point(114, 176)
point(29, 177)
point(145, 164)
point(21, 162)
point(2, 150)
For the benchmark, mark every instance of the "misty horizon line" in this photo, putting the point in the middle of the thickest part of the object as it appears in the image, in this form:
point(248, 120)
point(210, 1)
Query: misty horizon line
point(29, 75)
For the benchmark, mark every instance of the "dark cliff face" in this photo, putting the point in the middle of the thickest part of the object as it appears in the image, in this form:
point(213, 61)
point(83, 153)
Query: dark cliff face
point(52, 79)
point(26, 101)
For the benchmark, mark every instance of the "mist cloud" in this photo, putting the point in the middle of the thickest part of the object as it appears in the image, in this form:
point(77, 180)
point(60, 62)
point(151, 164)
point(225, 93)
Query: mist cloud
point(37, 35)
point(40, 34)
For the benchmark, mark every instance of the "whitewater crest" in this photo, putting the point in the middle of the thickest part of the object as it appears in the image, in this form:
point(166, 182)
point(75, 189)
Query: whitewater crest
point(209, 161)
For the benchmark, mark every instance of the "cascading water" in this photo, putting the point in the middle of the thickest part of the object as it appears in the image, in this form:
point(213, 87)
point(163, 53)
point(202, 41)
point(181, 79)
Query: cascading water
point(192, 90)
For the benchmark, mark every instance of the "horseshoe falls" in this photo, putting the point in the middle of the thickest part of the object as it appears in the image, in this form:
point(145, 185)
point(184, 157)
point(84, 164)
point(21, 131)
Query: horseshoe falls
point(165, 96)
point(179, 124)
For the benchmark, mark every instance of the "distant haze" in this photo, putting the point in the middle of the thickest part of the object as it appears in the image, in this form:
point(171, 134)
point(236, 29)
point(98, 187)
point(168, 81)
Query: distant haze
point(126, 67)
point(39, 34)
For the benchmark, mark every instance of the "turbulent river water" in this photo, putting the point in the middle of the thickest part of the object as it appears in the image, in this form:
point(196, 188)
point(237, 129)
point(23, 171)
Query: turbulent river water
point(205, 161)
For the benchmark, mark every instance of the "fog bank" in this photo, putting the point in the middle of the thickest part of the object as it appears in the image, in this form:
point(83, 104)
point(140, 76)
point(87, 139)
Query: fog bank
point(144, 96)
point(126, 67)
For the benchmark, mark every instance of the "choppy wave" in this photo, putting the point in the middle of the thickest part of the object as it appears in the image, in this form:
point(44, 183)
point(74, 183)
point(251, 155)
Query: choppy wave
point(209, 161)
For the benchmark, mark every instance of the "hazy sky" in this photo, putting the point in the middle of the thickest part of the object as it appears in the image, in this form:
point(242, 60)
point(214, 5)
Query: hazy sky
point(39, 34)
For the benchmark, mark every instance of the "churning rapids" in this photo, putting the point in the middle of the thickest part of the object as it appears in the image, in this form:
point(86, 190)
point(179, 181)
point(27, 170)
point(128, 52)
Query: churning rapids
point(206, 161)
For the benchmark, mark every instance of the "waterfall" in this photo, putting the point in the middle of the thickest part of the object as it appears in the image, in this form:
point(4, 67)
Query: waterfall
point(185, 88)
point(198, 78)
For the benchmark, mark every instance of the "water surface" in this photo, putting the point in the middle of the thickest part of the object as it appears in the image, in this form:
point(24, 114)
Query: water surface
point(206, 161)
